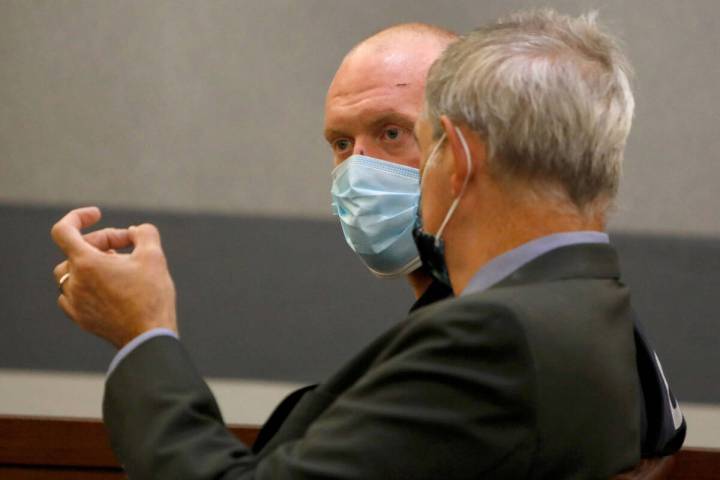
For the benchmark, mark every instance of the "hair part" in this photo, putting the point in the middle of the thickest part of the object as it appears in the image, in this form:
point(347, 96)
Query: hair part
point(549, 94)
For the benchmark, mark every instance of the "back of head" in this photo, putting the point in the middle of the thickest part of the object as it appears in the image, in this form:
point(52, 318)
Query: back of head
point(550, 96)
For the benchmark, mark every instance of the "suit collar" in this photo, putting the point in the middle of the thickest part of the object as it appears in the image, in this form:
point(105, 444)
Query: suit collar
point(503, 265)
point(590, 260)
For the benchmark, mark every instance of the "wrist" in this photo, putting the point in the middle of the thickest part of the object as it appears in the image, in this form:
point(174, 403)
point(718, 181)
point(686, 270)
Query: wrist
point(167, 327)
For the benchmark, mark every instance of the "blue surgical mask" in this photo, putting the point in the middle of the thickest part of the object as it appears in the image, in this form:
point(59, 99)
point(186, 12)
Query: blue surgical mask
point(432, 247)
point(376, 203)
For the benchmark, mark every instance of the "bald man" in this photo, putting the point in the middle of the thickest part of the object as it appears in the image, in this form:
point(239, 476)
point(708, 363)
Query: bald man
point(371, 108)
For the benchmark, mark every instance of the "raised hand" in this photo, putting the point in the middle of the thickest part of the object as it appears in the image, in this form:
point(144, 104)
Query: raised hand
point(114, 296)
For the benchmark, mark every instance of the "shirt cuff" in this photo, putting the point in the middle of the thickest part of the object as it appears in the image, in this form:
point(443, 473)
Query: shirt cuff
point(136, 342)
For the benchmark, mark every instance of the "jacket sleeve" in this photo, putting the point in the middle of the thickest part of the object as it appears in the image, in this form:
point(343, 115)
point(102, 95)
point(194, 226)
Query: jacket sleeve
point(450, 398)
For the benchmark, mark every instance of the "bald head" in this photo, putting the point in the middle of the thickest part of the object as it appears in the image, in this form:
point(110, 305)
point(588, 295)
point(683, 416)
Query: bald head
point(377, 93)
point(397, 35)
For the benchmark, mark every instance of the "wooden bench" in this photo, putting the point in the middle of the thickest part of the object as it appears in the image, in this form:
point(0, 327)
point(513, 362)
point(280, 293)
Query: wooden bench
point(71, 449)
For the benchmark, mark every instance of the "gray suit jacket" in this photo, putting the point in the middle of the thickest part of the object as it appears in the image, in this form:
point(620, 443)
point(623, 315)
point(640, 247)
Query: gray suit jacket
point(533, 378)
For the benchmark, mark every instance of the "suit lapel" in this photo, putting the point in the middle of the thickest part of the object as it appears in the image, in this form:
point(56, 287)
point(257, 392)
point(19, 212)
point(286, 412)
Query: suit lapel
point(278, 417)
point(302, 407)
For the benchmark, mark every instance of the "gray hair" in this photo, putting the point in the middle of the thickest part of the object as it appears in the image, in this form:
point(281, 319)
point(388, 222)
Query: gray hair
point(548, 93)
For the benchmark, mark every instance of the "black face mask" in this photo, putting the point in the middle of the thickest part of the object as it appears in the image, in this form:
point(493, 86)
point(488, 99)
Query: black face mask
point(431, 250)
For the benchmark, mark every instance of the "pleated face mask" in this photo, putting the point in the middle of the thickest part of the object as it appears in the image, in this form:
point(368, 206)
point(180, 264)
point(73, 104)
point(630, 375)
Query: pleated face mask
point(376, 203)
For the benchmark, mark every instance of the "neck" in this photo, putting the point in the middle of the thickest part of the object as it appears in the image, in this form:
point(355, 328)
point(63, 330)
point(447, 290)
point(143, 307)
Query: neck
point(476, 240)
point(419, 281)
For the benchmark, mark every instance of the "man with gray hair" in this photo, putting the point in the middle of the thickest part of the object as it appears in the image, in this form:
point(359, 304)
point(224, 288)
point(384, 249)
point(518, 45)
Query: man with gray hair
point(525, 128)
point(529, 372)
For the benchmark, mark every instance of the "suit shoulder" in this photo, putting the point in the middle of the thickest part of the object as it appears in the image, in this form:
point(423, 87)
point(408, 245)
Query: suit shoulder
point(469, 323)
point(472, 312)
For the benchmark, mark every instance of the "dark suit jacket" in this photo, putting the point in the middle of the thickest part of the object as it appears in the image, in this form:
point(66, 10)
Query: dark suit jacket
point(533, 378)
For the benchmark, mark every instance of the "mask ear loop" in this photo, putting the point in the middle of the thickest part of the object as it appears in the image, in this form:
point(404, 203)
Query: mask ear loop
point(462, 190)
point(431, 157)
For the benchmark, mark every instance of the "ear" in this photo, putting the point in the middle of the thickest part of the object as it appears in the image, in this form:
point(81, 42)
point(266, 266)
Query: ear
point(476, 149)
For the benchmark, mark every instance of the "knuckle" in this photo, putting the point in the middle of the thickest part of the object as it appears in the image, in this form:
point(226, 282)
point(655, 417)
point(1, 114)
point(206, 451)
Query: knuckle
point(155, 253)
point(55, 229)
point(82, 265)
point(150, 228)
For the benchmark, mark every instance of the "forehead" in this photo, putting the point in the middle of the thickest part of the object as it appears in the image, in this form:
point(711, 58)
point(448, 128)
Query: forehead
point(373, 84)
point(365, 107)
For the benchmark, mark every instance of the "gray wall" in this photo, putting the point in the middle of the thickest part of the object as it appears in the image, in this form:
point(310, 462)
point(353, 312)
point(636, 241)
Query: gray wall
point(217, 106)
point(180, 111)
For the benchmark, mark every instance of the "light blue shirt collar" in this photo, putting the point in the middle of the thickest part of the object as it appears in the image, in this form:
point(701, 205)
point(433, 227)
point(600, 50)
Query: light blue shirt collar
point(500, 267)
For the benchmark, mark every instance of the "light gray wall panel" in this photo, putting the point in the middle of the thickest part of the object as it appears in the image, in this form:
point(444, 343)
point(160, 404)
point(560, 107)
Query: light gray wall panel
point(217, 106)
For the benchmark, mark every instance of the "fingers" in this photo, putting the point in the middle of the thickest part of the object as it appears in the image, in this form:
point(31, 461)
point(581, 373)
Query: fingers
point(109, 239)
point(66, 307)
point(66, 232)
point(145, 237)
point(60, 270)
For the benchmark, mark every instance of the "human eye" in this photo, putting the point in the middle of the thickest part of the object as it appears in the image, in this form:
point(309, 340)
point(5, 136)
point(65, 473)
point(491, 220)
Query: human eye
point(392, 133)
point(341, 145)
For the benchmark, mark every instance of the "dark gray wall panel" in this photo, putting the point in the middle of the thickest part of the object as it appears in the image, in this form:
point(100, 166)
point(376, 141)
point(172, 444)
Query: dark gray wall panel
point(257, 297)
point(675, 283)
point(286, 299)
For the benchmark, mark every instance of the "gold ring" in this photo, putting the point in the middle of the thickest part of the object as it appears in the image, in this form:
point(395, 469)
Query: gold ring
point(62, 281)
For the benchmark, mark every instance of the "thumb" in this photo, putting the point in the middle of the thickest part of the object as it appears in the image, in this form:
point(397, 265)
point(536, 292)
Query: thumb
point(66, 233)
point(144, 237)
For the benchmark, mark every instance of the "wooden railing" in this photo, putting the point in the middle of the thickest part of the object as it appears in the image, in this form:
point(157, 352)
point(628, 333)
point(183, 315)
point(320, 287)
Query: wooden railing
point(71, 449)
point(64, 449)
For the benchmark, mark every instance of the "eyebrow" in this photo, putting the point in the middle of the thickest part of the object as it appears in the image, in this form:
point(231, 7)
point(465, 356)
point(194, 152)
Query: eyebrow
point(384, 117)
point(330, 133)
point(393, 117)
